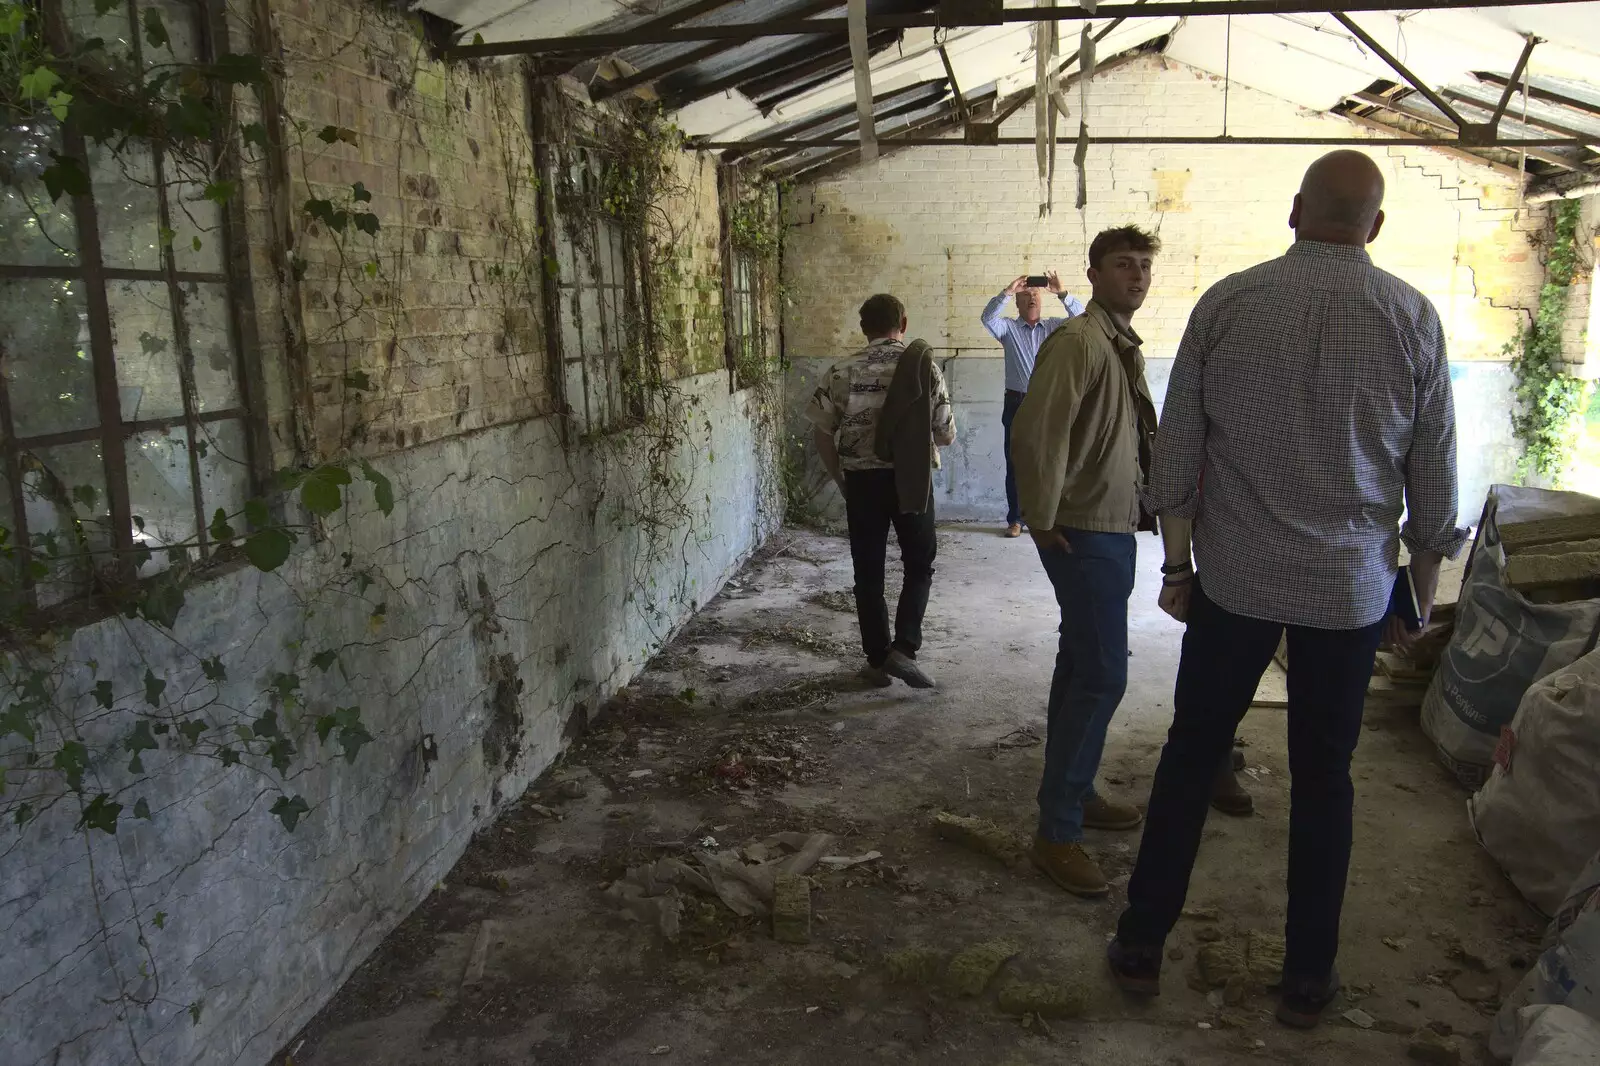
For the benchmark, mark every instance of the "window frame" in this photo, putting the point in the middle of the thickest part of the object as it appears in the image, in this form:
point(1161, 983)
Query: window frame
point(112, 431)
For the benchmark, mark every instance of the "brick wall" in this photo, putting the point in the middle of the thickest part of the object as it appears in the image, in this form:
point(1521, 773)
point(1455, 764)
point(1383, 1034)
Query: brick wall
point(947, 228)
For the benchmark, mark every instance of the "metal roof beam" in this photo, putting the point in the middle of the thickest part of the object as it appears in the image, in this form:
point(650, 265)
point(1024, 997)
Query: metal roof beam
point(1576, 97)
point(1542, 121)
point(1511, 86)
point(1388, 57)
point(1439, 122)
point(928, 142)
point(789, 27)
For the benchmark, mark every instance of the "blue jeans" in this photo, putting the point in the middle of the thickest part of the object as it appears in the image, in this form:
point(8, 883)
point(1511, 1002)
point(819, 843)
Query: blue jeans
point(1008, 414)
point(1092, 584)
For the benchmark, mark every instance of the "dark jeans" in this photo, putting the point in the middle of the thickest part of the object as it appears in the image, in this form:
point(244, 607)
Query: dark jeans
point(1008, 414)
point(872, 506)
point(1224, 656)
point(1092, 584)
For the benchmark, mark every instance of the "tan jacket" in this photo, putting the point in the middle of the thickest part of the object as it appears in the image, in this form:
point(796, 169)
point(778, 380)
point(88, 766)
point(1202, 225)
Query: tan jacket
point(1081, 441)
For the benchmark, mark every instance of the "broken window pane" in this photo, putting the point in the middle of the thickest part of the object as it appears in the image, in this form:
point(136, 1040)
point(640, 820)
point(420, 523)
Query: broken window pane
point(126, 206)
point(34, 231)
point(44, 349)
point(196, 222)
point(147, 353)
point(183, 38)
point(216, 369)
point(161, 492)
point(224, 468)
point(69, 519)
point(112, 29)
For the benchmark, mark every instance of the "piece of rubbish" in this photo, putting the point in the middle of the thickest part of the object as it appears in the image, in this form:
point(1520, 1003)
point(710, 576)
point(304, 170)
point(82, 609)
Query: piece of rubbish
point(1395, 943)
point(1359, 1018)
point(791, 909)
point(844, 862)
point(1200, 914)
point(811, 1010)
point(634, 775)
point(661, 1049)
point(542, 811)
point(914, 965)
point(982, 836)
point(970, 972)
point(480, 954)
point(1204, 1025)
point(708, 842)
point(572, 788)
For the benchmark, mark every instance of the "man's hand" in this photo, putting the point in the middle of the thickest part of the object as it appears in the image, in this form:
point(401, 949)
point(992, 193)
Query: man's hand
point(1020, 285)
point(1050, 540)
point(1399, 638)
point(1174, 599)
point(1055, 283)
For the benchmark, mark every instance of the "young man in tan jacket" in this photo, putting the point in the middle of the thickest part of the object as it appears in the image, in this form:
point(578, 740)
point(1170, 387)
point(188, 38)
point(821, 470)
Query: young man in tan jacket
point(1081, 444)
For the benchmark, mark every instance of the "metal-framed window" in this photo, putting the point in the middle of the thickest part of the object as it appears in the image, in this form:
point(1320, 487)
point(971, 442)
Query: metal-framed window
point(124, 405)
point(749, 339)
point(599, 271)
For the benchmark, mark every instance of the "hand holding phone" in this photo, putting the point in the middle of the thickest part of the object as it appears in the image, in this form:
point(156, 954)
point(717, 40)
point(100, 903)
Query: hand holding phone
point(1038, 281)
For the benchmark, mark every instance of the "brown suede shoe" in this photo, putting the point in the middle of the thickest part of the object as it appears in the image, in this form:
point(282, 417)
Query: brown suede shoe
point(1101, 813)
point(1013, 531)
point(1069, 866)
point(1229, 797)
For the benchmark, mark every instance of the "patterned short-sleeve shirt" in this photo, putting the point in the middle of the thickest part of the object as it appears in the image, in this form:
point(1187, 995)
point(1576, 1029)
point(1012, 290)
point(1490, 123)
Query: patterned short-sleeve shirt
point(849, 400)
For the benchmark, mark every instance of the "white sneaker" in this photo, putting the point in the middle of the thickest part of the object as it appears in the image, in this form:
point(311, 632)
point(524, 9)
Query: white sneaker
point(901, 665)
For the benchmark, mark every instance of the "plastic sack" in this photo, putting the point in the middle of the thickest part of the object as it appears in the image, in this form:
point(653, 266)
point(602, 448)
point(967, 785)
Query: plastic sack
point(1502, 643)
point(1566, 975)
point(1538, 815)
point(1558, 1036)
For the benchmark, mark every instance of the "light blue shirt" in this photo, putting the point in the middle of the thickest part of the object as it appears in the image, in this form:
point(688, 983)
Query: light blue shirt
point(1020, 340)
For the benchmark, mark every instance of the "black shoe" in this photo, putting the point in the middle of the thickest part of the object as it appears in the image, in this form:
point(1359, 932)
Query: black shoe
point(1136, 971)
point(1301, 1001)
point(900, 665)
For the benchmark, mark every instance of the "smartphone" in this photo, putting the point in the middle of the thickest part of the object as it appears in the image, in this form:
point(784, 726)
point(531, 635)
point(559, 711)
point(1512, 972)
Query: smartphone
point(1038, 281)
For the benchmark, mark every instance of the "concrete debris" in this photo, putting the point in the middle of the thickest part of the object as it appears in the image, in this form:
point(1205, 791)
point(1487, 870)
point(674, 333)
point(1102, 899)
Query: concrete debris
point(542, 811)
point(1395, 943)
point(746, 889)
point(1266, 958)
point(791, 909)
point(1475, 987)
point(571, 789)
point(983, 836)
point(844, 862)
point(480, 954)
point(1431, 1046)
point(1042, 999)
point(1175, 953)
point(635, 775)
point(661, 1049)
point(1208, 936)
point(1200, 914)
point(1221, 961)
point(1256, 961)
point(914, 965)
point(1359, 1018)
point(1234, 991)
point(970, 972)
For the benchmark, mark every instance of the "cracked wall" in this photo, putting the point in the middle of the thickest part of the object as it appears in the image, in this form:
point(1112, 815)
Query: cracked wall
point(947, 228)
point(519, 581)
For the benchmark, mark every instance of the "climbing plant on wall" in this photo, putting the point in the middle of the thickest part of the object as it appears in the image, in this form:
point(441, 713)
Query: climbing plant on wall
point(1549, 400)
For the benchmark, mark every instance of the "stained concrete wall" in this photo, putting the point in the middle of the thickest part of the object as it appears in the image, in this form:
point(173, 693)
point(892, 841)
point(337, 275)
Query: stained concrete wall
point(520, 580)
point(947, 228)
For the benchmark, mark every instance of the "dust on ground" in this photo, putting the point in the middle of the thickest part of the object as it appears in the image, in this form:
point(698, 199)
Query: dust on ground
point(753, 723)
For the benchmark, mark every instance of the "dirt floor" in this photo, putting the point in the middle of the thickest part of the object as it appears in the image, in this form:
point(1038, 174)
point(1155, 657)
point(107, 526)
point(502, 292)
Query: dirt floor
point(752, 724)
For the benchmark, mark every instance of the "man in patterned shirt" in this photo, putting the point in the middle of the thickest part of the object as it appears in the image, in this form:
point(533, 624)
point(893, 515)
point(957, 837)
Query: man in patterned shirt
point(1314, 393)
point(845, 412)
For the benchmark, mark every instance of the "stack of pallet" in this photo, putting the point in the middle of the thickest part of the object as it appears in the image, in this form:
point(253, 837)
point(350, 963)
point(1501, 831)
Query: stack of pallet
point(1398, 679)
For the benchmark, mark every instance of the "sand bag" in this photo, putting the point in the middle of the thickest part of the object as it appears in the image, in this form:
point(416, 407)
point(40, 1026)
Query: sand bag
point(1503, 642)
point(1539, 812)
point(1566, 975)
point(1558, 1036)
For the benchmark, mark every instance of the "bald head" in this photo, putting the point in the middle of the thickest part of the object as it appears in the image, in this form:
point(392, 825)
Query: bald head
point(1340, 200)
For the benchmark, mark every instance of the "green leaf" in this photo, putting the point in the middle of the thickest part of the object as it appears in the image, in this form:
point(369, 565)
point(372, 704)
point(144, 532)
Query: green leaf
point(155, 30)
point(153, 688)
point(72, 760)
point(285, 685)
point(64, 177)
point(254, 133)
point(358, 380)
point(213, 669)
point(367, 223)
point(228, 756)
point(23, 814)
point(160, 920)
point(320, 492)
point(85, 495)
point(352, 739)
point(221, 531)
point(138, 523)
point(256, 514)
point(268, 549)
point(192, 730)
point(39, 84)
point(101, 813)
point(370, 268)
point(59, 103)
point(219, 192)
point(16, 719)
point(141, 809)
point(141, 739)
point(324, 659)
point(151, 344)
point(166, 235)
point(162, 603)
point(194, 1008)
point(104, 693)
point(336, 134)
point(289, 811)
point(266, 725)
point(13, 19)
point(280, 751)
point(360, 194)
point(382, 490)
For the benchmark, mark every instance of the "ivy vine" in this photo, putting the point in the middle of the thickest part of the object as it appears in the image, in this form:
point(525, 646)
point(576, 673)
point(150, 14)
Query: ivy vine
point(1549, 400)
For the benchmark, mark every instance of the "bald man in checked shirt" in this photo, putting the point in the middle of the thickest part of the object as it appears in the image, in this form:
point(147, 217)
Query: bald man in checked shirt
point(1313, 392)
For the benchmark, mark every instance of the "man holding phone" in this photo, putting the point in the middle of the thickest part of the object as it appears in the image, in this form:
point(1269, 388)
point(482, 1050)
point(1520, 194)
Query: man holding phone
point(1296, 530)
point(1021, 338)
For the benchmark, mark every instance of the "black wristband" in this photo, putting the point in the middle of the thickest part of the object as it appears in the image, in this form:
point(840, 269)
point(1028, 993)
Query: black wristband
point(1178, 568)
